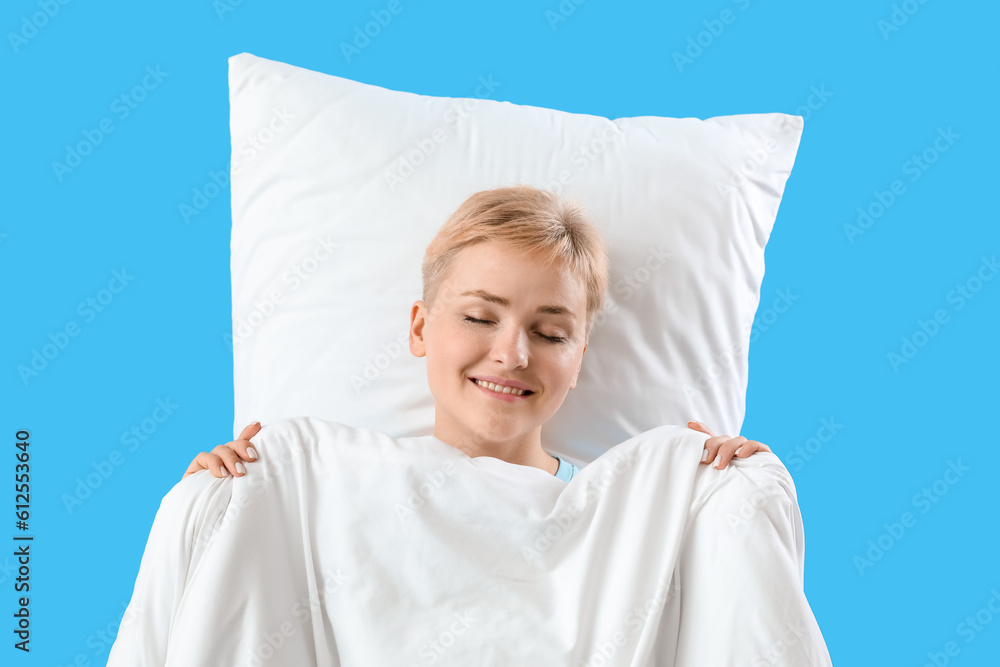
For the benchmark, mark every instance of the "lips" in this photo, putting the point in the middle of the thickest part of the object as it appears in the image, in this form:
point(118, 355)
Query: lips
point(527, 392)
point(503, 382)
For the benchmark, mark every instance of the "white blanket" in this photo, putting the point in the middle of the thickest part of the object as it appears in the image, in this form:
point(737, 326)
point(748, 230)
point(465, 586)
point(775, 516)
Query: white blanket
point(343, 546)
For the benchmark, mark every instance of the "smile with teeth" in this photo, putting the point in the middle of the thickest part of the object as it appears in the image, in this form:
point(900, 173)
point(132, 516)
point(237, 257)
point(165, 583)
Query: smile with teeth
point(500, 389)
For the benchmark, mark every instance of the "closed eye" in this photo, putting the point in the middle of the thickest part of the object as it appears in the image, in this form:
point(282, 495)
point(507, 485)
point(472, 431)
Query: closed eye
point(551, 339)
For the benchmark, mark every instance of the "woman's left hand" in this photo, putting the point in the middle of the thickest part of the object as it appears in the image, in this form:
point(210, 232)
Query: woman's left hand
point(726, 447)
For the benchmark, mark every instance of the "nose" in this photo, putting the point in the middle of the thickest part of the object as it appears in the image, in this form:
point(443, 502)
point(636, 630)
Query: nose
point(510, 347)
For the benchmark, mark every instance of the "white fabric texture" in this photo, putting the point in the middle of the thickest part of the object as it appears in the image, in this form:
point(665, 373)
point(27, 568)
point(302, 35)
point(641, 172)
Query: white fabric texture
point(338, 186)
point(345, 547)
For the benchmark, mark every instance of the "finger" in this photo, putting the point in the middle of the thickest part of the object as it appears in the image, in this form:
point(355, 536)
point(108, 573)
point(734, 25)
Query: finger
point(711, 446)
point(250, 431)
point(698, 426)
point(194, 467)
point(231, 460)
point(695, 426)
point(751, 447)
point(244, 449)
point(207, 461)
point(726, 451)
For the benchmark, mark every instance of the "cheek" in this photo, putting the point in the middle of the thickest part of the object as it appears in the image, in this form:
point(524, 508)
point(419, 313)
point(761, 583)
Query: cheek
point(453, 351)
point(554, 370)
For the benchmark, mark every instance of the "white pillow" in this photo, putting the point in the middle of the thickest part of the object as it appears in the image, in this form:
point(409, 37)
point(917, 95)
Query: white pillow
point(338, 186)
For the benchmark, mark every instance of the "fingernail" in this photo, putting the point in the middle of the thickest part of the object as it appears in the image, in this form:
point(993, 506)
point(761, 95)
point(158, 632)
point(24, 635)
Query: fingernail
point(240, 468)
point(704, 455)
point(257, 423)
point(715, 463)
point(251, 452)
point(225, 471)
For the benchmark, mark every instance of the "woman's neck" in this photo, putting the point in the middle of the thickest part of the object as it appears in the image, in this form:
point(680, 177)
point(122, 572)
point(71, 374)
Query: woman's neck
point(518, 454)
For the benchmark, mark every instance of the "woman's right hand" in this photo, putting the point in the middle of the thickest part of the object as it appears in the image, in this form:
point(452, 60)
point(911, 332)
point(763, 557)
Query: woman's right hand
point(225, 459)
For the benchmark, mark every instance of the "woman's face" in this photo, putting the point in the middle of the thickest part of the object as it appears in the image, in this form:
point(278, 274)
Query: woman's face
point(542, 351)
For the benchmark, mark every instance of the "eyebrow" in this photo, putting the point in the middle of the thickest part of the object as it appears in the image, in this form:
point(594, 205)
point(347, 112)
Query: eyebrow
point(493, 298)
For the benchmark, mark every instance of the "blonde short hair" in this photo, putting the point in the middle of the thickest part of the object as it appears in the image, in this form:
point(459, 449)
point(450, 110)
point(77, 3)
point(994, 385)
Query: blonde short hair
point(530, 220)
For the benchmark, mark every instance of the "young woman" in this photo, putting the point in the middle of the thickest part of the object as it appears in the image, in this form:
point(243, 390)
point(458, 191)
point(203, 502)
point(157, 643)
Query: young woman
point(512, 285)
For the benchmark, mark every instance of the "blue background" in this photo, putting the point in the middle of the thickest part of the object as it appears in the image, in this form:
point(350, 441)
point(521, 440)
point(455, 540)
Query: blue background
point(886, 95)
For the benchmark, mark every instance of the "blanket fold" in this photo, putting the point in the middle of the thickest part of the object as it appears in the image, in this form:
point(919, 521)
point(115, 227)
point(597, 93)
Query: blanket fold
point(342, 546)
